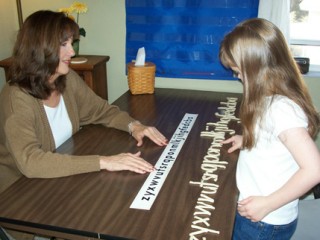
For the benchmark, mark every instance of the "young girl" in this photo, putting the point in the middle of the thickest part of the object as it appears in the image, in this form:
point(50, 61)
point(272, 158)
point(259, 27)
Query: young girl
point(278, 160)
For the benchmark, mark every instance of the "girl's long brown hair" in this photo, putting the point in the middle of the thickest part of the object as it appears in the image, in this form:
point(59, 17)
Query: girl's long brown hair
point(258, 48)
point(36, 52)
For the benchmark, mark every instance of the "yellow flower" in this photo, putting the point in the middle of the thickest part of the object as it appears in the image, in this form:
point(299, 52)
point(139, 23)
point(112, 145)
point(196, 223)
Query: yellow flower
point(79, 7)
point(67, 11)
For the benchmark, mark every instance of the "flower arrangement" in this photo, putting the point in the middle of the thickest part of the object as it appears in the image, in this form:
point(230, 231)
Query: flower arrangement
point(78, 8)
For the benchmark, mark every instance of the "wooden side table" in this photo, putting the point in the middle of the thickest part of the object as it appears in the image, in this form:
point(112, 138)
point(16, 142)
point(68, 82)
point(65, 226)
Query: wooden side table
point(93, 72)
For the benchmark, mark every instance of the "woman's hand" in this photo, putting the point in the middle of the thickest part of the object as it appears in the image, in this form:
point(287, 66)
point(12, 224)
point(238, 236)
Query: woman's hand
point(139, 131)
point(126, 161)
point(236, 142)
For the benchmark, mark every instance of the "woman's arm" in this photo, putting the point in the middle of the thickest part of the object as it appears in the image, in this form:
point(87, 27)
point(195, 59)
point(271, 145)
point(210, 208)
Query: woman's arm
point(93, 109)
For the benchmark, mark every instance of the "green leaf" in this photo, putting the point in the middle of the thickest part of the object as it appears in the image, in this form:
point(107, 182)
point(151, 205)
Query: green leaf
point(82, 32)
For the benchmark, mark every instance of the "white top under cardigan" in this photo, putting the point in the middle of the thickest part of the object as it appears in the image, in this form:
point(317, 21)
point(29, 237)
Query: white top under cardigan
point(59, 122)
point(269, 165)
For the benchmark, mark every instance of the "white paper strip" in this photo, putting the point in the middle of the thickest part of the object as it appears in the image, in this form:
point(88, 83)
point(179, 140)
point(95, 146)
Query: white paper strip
point(155, 180)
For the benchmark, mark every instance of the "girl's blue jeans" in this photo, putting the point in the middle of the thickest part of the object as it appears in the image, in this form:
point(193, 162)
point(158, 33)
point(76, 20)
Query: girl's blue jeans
point(244, 229)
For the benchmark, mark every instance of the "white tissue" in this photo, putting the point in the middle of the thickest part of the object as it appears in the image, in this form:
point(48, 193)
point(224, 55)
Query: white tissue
point(141, 57)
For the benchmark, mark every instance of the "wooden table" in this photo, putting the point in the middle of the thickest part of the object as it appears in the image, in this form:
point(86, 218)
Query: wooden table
point(97, 205)
point(93, 72)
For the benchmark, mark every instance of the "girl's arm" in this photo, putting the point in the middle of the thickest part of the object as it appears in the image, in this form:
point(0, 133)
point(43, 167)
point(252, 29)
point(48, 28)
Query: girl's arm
point(307, 156)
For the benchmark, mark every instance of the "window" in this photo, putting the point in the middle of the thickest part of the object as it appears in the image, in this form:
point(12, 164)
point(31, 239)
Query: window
point(304, 33)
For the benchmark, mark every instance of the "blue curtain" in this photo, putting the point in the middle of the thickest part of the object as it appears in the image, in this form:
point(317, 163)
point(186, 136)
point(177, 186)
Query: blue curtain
point(182, 37)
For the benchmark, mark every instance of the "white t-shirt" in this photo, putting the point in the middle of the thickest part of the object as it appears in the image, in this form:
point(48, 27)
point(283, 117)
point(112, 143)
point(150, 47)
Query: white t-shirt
point(269, 165)
point(59, 122)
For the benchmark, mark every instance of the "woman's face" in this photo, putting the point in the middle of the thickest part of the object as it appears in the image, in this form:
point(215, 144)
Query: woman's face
point(66, 52)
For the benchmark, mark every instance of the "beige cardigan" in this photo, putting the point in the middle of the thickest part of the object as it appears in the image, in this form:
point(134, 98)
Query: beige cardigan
point(26, 140)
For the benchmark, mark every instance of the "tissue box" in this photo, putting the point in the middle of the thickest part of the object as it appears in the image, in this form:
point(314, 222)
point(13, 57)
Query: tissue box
point(141, 78)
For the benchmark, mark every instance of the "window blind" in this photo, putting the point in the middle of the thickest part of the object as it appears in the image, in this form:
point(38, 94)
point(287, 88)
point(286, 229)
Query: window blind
point(182, 37)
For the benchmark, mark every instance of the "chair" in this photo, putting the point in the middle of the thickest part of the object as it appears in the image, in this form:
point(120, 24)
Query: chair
point(308, 222)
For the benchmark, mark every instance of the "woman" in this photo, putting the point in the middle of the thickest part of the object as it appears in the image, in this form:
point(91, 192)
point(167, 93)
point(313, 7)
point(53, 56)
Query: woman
point(278, 160)
point(45, 103)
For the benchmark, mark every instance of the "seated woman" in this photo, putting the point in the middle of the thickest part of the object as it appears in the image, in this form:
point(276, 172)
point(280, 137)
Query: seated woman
point(45, 103)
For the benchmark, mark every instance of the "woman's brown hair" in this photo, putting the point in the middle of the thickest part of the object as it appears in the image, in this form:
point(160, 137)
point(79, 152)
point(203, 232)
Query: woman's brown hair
point(258, 48)
point(36, 52)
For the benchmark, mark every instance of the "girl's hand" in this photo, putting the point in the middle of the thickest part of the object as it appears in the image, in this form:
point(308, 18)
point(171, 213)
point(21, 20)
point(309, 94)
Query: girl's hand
point(236, 142)
point(254, 208)
point(126, 161)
